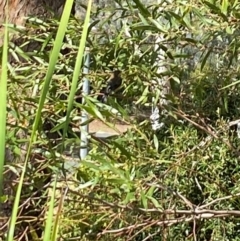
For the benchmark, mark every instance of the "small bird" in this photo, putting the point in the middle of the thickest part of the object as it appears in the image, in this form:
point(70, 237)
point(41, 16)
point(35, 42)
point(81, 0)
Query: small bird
point(114, 82)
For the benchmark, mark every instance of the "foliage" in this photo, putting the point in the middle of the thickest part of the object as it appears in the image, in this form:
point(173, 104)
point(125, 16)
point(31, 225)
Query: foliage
point(181, 182)
point(3, 100)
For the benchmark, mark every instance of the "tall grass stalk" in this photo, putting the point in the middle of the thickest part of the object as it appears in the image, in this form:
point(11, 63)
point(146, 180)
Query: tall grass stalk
point(52, 63)
point(77, 67)
point(3, 105)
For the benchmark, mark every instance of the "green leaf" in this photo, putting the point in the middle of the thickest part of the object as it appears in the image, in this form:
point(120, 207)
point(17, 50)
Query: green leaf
point(87, 184)
point(90, 165)
point(144, 200)
point(77, 67)
point(205, 58)
point(158, 25)
point(143, 10)
point(122, 149)
point(156, 142)
point(224, 6)
point(50, 213)
point(3, 105)
point(93, 109)
point(155, 202)
point(212, 6)
point(130, 197)
point(143, 98)
point(150, 191)
point(229, 30)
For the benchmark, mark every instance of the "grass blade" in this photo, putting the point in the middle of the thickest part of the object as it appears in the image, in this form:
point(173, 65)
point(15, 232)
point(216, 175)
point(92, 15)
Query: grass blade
point(48, 226)
point(3, 106)
point(77, 67)
point(53, 59)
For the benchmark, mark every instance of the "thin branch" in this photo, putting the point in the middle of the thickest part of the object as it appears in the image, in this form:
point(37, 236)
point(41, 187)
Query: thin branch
point(218, 200)
point(175, 193)
point(207, 130)
point(209, 214)
point(198, 212)
point(232, 123)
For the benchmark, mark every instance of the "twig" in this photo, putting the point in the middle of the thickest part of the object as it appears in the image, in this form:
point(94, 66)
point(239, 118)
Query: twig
point(196, 211)
point(187, 202)
point(232, 123)
point(218, 200)
point(207, 130)
point(207, 215)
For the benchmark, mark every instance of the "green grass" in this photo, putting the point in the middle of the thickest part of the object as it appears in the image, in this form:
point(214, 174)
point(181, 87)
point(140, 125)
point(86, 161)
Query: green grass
point(141, 185)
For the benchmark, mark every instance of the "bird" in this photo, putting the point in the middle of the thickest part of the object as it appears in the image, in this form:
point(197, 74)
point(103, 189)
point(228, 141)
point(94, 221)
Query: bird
point(113, 83)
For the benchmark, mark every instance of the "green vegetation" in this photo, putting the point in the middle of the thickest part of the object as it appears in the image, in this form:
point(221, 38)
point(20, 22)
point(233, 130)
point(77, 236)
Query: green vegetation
point(178, 183)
